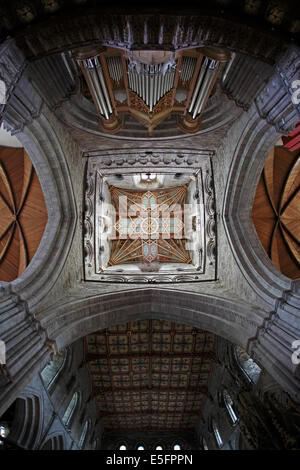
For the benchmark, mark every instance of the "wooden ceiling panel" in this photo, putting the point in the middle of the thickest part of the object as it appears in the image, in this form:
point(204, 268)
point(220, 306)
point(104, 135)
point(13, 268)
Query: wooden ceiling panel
point(23, 214)
point(150, 374)
point(276, 210)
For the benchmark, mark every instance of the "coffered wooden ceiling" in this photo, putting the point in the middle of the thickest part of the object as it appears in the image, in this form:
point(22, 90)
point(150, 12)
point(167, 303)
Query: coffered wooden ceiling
point(23, 214)
point(150, 375)
point(276, 210)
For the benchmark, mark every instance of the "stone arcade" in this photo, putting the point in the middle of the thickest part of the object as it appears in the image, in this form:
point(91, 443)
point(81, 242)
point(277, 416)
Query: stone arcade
point(185, 335)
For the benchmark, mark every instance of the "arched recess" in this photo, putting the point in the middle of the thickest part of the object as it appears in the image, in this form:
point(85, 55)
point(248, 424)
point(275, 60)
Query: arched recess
point(49, 148)
point(28, 419)
point(47, 154)
point(273, 341)
point(255, 143)
point(23, 213)
point(54, 443)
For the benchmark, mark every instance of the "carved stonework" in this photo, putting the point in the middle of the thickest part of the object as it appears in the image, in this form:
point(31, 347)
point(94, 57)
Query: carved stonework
point(275, 102)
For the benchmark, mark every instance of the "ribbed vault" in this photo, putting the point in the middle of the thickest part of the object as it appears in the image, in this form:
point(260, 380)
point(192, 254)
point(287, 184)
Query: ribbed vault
point(23, 213)
point(276, 210)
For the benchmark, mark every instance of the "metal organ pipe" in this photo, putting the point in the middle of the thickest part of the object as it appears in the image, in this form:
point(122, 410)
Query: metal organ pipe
point(103, 84)
point(96, 86)
point(151, 78)
point(205, 79)
point(149, 83)
point(199, 81)
point(96, 82)
point(147, 89)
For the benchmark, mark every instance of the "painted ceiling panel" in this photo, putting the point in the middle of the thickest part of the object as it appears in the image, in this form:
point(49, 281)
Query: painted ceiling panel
point(151, 374)
point(150, 228)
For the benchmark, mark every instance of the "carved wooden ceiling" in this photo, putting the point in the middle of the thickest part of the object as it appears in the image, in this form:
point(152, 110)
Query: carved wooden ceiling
point(151, 227)
point(150, 86)
point(23, 214)
point(173, 244)
point(276, 210)
point(150, 375)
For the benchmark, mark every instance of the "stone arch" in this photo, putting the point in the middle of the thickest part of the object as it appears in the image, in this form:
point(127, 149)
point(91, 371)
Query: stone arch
point(56, 442)
point(28, 420)
point(280, 294)
point(48, 148)
point(255, 143)
point(234, 320)
point(47, 155)
point(231, 319)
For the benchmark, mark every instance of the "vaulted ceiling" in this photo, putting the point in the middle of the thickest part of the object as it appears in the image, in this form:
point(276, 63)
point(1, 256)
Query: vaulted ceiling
point(152, 229)
point(276, 210)
point(23, 214)
point(150, 375)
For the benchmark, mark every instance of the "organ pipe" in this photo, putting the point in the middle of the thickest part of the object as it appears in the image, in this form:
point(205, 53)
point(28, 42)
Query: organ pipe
point(96, 82)
point(205, 79)
point(150, 84)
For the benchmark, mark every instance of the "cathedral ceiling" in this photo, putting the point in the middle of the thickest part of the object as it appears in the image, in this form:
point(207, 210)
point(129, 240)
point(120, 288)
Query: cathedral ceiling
point(153, 230)
point(276, 210)
point(150, 375)
point(23, 214)
point(153, 233)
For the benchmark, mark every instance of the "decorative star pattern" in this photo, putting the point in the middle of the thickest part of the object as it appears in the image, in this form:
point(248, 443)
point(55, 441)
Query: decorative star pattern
point(150, 228)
